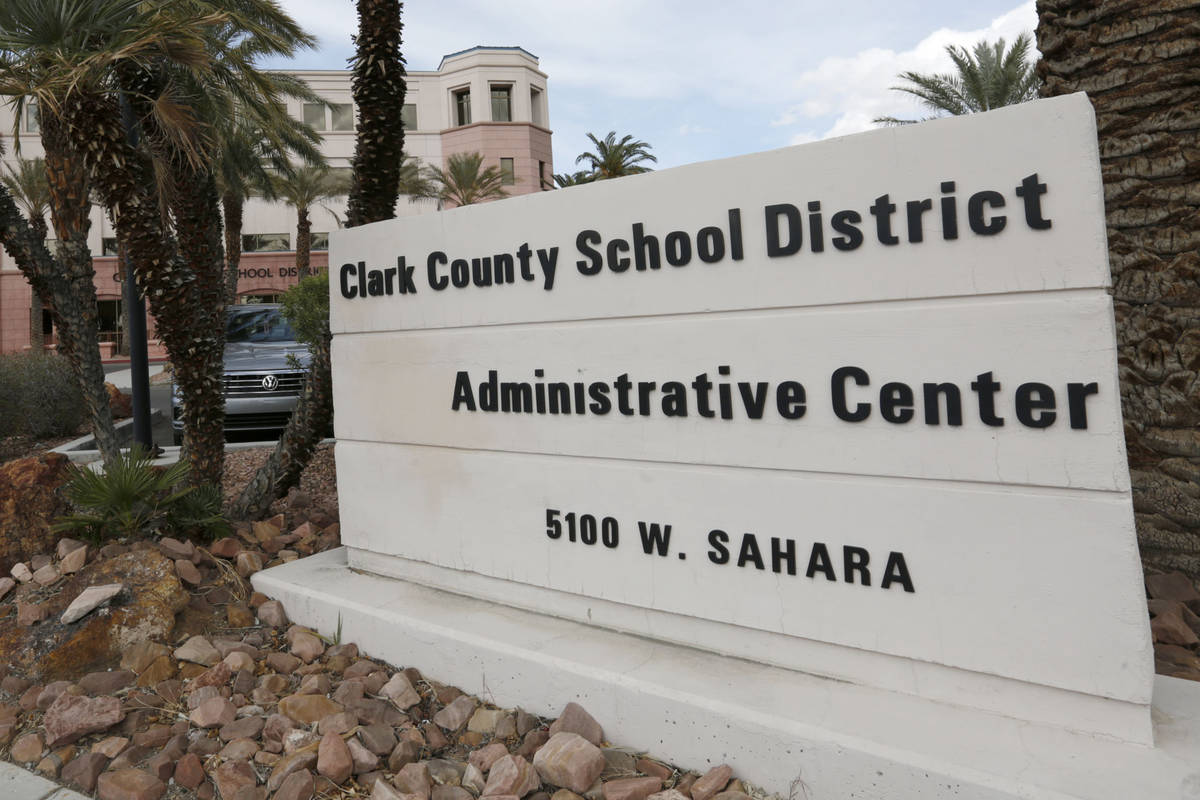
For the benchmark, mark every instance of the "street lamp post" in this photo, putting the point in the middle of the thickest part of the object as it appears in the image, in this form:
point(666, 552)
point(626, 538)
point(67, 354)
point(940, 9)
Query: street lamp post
point(139, 360)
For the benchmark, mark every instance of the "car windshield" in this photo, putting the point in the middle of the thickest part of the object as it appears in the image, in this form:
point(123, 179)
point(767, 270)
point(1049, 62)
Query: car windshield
point(257, 325)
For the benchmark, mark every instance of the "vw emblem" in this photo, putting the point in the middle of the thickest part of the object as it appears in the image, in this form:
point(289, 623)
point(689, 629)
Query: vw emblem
point(270, 383)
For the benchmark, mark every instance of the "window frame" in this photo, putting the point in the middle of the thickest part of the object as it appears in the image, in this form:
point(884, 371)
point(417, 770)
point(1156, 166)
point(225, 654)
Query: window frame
point(333, 112)
point(508, 177)
point(304, 111)
point(460, 106)
point(415, 122)
point(506, 90)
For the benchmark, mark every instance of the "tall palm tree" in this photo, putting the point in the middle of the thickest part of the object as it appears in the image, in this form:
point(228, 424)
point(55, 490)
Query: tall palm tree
point(465, 180)
point(248, 155)
point(302, 188)
point(987, 77)
point(612, 159)
point(1130, 60)
point(28, 186)
point(378, 88)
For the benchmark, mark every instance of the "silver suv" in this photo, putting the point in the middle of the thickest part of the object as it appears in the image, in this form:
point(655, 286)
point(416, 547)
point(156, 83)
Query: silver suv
point(261, 382)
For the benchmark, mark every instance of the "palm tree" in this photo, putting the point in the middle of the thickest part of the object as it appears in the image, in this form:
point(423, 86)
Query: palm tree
point(987, 77)
point(414, 181)
point(1127, 57)
point(302, 188)
point(465, 180)
point(378, 88)
point(613, 159)
point(28, 186)
point(562, 180)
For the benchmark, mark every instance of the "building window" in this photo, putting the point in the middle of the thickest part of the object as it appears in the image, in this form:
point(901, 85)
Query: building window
point(501, 104)
point(542, 184)
point(535, 105)
point(314, 116)
point(462, 107)
point(108, 246)
point(265, 242)
point(343, 116)
point(507, 175)
point(408, 116)
point(33, 117)
point(320, 241)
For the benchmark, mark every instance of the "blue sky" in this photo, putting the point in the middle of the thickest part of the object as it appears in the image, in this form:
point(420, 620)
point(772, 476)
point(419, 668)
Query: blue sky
point(696, 79)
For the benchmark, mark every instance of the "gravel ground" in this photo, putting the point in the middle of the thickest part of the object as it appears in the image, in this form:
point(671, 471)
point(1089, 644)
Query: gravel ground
point(318, 482)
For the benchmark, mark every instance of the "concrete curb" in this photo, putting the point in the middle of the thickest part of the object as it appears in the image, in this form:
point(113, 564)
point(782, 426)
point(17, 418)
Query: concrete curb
point(18, 784)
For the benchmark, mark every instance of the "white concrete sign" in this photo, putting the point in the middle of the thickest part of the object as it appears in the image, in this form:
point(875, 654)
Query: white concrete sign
point(848, 408)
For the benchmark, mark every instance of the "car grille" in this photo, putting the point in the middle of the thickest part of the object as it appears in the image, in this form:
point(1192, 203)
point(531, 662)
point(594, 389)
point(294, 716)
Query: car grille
point(235, 422)
point(250, 384)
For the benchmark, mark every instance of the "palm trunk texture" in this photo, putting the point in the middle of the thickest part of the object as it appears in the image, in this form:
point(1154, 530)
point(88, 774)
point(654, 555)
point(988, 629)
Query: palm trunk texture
point(232, 206)
point(37, 339)
point(303, 243)
point(179, 298)
point(378, 88)
point(65, 280)
point(1139, 62)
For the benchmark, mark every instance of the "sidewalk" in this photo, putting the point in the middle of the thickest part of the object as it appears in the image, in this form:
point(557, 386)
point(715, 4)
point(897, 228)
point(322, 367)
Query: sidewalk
point(123, 379)
point(17, 784)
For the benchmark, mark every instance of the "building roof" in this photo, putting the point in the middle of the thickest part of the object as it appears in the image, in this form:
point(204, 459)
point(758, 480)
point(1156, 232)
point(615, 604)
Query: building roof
point(485, 47)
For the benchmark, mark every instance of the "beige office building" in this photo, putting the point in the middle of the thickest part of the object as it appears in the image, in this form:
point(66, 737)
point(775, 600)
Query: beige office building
point(491, 100)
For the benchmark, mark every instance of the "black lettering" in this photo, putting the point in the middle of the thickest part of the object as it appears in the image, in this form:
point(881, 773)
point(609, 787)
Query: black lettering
point(979, 224)
point(710, 245)
point(678, 248)
point(1031, 192)
point(645, 249)
point(953, 403)
point(460, 273)
point(623, 385)
point(516, 397)
point(855, 559)
point(735, 234)
point(882, 210)
point(897, 570)
point(436, 282)
point(594, 263)
point(795, 236)
point(819, 561)
point(718, 553)
point(986, 388)
point(348, 291)
point(674, 401)
point(407, 286)
point(915, 209)
point(781, 554)
point(846, 223)
point(749, 552)
point(462, 392)
point(837, 385)
point(481, 271)
point(1077, 394)
point(702, 385)
point(600, 404)
point(615, 262)
point(754, 399)
point(949, 212)
point(375, 283)
point(895, 402)
point(1035, 405)
point(657, 538)
point(789, 400)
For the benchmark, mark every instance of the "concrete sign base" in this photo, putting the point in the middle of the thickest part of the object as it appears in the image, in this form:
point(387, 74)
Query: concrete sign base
point(798, 735)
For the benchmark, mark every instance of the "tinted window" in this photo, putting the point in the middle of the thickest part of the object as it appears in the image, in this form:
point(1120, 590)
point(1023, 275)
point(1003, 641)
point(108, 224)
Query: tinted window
point(257, 325)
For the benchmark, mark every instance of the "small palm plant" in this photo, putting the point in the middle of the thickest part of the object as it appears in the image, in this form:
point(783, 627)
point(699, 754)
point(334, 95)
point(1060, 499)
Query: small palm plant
point(132, 496)
point(465, 180)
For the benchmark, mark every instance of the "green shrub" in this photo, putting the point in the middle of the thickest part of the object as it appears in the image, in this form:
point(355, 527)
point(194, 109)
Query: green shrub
point(132, 496)
point(39, 396)
point(306, 306)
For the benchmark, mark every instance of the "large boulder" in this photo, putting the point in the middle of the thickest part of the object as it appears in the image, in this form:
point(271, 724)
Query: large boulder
point(29, 503)
point(144, 609)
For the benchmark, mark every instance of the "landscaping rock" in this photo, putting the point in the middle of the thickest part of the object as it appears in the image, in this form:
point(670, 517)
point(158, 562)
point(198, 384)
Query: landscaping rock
point(46, 575)
point(29, 502)
point(198, 650)
point(414, 779)
point(234, 776)
point(512, 775)
point(129, 784)
point(570, 761)
point(455, 715)
point(146, 611)
point(95, 683)
point(90, 599)
point(73, 561)
point(297, 786)
point(83, 771)
point(6, 586)
point(29, 614)
point(713, 781)
point(400, 691)
point(213, 713)
point(272, 613)
point(308, 708)
point(28, 749)
point(632, 788)
point(485, 757)
point(574, 719)
point(189, 772)
point(334, 760)
point(72, 716)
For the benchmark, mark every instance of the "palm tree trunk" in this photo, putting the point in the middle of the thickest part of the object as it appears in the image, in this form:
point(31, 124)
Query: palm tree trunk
point(71, 289)
point(232, 207)
point(200, 369)
point(378, 87)
point(303, 242)
point(37, 339)
point(1138, 61)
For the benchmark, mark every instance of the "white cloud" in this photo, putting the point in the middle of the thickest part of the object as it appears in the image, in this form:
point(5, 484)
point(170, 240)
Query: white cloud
point(857, 88)
point(688, 129)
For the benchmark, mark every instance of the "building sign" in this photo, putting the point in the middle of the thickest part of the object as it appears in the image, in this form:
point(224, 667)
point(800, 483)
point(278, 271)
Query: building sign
point(849, 407)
